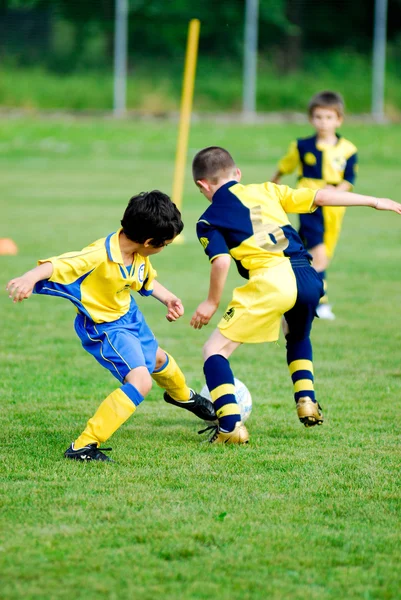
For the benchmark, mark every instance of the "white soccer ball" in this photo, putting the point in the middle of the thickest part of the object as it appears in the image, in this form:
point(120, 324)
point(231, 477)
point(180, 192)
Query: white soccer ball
point(242, 395)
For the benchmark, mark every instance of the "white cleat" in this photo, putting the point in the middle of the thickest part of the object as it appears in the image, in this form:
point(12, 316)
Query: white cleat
point(324, 311)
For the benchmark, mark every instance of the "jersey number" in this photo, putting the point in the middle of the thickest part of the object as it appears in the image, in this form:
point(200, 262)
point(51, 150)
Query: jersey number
point(268, 236)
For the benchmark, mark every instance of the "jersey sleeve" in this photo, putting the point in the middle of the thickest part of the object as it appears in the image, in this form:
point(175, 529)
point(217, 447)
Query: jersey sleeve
point(212, 240)
point(70, 266)
point(69, 270)
point(290, 161)
point(296, 201)
point(351, 169)
point(150, 275)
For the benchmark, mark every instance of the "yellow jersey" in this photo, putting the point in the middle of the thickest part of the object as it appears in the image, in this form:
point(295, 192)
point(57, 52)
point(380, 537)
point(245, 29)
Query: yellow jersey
point(250, 223)
point(96, 279)
point(320, 164)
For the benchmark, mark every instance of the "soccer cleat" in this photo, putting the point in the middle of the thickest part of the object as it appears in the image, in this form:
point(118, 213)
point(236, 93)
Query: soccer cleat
point(309, 412)
point(324, 311)
point(90, 452)
point(239, 435)
point(198, 405)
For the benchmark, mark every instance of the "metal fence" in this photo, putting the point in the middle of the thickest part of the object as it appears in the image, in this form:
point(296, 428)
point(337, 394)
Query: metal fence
point(115, 37)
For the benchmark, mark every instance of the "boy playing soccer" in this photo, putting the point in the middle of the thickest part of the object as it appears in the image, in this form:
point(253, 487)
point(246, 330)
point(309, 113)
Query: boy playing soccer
point(98, 281)
point(324, 160)
point(249, 223)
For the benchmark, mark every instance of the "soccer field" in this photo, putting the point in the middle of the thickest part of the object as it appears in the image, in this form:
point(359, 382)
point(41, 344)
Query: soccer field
point(299, 513)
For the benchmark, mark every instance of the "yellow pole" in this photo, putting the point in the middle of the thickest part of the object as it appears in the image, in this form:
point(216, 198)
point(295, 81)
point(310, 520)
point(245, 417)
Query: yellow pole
point(185, 111)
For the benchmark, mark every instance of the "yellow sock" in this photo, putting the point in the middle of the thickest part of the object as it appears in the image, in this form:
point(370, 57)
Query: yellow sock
point(172, 379)
point(110, 415)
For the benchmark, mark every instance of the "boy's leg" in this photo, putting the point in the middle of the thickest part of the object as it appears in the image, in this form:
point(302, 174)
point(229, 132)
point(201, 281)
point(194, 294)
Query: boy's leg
point(127, 349)
point(169, 376)
point(220, 381)
point(253, 316)
point(300, 364)
point(320, 263)
point(111, 414)
point(312, 231)
point(299, 348)
point(323, 253)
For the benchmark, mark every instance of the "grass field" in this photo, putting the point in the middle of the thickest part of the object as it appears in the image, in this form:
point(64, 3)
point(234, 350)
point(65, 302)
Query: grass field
point(299, 514)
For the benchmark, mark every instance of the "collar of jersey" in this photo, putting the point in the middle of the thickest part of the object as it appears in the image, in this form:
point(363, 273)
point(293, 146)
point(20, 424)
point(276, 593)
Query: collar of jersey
point(223, 188)
point(113, 248)
point(318, 144)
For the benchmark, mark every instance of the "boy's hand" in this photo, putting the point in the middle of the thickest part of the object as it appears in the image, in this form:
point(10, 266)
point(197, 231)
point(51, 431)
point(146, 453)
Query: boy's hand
point(386, 204)
point(20, 288)
point(203, 314)
point(175, 309)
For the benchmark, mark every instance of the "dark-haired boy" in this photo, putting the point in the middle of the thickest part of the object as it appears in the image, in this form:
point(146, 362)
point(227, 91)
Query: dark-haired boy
point(98, 281)
point(249, 223)
point(324, 160)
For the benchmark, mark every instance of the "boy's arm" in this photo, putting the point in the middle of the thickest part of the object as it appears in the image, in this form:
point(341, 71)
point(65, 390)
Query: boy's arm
point(334, 197)
point(21, 288)
point(288, 163)
point(218, 277)
point(174, 304)
point(276, 177)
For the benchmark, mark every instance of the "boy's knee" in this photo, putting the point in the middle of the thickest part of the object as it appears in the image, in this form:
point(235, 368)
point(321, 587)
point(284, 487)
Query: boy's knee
point(140, 378)
point(161, 359)
point(206, 350)
point(319, 257)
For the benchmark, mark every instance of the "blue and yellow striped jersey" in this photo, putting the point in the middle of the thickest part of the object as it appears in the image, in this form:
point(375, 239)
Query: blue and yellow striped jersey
point(96, 280)
point(320, 164)
point(250, 223)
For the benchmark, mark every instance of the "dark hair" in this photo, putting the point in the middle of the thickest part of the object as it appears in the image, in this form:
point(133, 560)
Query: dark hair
point(212, 163)
point(327, 99)
point(151, 215)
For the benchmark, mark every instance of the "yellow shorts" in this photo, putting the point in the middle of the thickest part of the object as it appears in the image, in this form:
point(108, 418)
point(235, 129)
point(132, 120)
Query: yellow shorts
point(254, 314)
point(333, 218)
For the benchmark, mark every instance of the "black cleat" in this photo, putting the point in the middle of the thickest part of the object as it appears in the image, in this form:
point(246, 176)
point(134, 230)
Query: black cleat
point(198, 405)
point(90, 452)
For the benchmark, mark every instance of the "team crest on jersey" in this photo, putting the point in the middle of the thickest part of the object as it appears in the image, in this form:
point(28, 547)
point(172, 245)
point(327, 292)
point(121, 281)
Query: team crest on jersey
point(204, 241)
point(229, 314)
point(339, 163)
point(310, 159)
point(141, 272)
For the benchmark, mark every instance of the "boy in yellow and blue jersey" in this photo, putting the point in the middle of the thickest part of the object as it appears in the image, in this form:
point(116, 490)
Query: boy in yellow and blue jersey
point(249, 223)
point(98, 280)
point(324, 160)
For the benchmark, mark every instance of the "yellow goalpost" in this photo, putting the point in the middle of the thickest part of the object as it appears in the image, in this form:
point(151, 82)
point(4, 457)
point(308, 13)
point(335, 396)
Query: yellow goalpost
point(185, 111)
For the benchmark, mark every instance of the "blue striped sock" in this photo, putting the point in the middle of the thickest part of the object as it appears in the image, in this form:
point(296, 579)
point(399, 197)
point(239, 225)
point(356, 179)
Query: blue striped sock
point(299, 359)
point(220, 381)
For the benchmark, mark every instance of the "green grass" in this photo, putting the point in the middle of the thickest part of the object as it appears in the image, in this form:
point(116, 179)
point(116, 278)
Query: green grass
point(155, 87)
point(300, 514)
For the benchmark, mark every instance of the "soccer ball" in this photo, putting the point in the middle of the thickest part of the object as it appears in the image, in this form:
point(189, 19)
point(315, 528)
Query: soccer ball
point(242, 395)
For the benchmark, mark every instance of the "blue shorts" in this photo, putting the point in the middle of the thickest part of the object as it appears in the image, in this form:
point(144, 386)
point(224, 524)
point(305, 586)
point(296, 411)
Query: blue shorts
point(309, 291)
point(121, 345)
point(311, 228)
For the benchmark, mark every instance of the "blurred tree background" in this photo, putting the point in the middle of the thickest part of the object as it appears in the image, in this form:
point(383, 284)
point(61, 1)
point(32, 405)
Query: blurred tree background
point(303, 44)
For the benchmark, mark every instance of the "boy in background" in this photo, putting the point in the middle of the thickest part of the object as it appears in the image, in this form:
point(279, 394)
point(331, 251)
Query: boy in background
point(249, 223)
point(98, 281)
point(324, 160)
